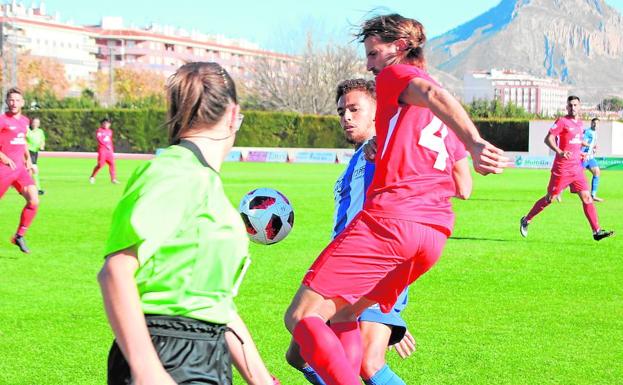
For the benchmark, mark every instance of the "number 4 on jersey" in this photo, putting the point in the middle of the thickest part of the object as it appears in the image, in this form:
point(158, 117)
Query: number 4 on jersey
point(432, 137)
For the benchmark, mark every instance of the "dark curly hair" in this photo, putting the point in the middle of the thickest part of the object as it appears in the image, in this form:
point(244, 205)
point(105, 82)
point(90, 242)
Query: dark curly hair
point(349, 85)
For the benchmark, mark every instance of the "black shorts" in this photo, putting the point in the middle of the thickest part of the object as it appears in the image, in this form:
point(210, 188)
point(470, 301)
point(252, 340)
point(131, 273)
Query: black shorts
point(33, 156)
point(193, 352)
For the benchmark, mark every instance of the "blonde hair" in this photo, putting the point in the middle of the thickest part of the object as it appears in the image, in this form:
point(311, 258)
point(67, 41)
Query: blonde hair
point(390, 28)
point(197, 93)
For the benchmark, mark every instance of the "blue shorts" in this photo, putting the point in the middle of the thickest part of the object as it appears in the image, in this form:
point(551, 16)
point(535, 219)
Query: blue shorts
point(590, 163)
point(391, 319)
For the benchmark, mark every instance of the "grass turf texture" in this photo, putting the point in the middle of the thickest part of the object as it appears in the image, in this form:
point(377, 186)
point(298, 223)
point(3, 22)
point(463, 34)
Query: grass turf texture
point(496, 309)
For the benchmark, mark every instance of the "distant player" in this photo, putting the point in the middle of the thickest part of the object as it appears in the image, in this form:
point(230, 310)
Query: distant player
point(105, 151)
point(36, 142)
point(589, 146)
point(407, 216)
point(565, 139)
point(15, 164)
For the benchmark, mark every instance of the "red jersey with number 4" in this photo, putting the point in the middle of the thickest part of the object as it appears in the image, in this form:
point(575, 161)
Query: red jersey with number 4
point(13, 137)
point(415, 156)
point(569, 133)
point(104, 140)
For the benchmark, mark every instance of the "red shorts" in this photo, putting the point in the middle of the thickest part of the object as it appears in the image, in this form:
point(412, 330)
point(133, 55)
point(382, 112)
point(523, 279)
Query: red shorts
point(375, 258)
point(18, 178)
point(559, 182)
point(105, 156)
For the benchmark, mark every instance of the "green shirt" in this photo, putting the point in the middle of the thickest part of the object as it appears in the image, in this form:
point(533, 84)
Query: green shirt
point(191, 243)
point(35, 139)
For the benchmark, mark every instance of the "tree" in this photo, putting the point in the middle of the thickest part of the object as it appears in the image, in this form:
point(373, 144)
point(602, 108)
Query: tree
point(306, 84)
point(611, 104)
point(42, 76)
point(133, 88)
point(495, 109)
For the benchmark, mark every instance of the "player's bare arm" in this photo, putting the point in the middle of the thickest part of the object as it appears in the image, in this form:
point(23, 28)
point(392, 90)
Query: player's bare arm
point(550, 141)
point(6, 160)
point(487, 158)
point(27, 159)
point(245, 355)
point(123, 308)
point(369, 149)
point(462, 179)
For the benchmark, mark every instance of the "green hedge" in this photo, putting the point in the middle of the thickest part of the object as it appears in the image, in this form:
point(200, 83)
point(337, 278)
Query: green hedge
point(507, 134)
point(144, 131)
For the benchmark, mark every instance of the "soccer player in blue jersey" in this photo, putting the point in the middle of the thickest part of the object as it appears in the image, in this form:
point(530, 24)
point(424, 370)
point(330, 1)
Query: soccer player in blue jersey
point(589, 141)
point(356, 106)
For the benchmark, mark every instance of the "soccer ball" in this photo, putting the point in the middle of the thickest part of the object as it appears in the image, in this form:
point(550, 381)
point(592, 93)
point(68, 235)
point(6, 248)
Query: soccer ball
point(267, 215)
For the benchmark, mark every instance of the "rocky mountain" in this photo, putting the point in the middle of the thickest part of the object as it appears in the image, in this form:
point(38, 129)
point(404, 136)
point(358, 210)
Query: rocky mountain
point(579, 42)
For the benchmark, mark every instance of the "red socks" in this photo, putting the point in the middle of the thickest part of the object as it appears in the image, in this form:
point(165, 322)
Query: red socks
point(350, 336)
point(539, 206)
point(591, 215)
point(28, 214)
point(323, 351)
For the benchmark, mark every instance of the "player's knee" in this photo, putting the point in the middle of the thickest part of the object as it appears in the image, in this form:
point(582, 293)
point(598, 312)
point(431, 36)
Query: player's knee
point(292, 317)
point(373, 361)
point(585, 197)
point(596, 171)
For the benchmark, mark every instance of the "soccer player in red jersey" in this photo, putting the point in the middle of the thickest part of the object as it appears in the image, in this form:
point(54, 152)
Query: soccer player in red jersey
point(565, 139)
point(15, 164)
point(407, 216)
point(105, 151)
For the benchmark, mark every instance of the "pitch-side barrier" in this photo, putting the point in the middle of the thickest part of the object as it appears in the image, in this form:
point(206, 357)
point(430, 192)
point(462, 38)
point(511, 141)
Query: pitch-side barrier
point(329, 155)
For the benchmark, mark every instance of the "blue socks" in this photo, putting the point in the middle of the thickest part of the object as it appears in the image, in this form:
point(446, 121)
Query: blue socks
point(311, 376)
point(385, 376)
point(594, 185)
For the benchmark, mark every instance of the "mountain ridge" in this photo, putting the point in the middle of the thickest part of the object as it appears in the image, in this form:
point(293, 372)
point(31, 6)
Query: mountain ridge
point(579, 42)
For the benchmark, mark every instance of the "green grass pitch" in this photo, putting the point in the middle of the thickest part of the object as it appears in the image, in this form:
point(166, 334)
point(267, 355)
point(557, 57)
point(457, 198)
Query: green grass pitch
point(496, 309)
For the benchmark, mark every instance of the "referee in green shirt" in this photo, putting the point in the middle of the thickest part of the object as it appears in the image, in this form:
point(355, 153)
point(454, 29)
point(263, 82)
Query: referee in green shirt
point(177, 249)
point(35, 140)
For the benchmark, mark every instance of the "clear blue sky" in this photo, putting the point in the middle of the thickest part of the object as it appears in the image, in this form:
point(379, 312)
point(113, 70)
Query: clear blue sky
point(273, 24)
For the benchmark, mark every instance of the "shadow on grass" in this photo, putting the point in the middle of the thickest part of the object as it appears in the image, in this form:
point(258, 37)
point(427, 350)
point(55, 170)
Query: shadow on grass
point(5, 257)
point(544, 242)
point(482, 239)
point(501, 199)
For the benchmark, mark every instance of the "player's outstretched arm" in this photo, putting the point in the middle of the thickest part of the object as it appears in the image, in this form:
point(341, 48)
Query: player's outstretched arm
point(246, 357)
point(122, 303)
point(462, 179)
point(486, 157)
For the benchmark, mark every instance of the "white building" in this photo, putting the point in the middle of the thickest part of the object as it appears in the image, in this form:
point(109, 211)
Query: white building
point(163, 49)
point(84, 50)
point(42, 35)
point(542, 96)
